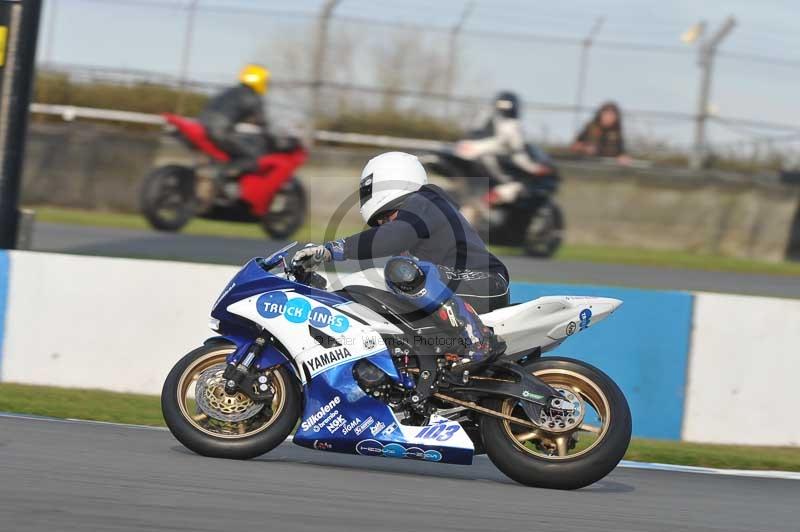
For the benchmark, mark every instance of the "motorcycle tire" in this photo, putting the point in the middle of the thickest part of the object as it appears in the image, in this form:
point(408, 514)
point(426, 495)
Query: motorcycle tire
point(531, 468)
point(167, 197)
point(287, 212)
point(211, 440)
point(544, 241)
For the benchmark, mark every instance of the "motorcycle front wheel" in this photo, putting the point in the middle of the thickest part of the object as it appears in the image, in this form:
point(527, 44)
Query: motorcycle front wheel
point(544, 234)
point(570, 450)
point(287, 212)
point(167, 197)
point(208, 421)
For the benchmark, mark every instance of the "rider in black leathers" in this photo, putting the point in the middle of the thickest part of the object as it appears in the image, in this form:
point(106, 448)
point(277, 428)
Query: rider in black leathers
point(439, 262)
point(242, 103)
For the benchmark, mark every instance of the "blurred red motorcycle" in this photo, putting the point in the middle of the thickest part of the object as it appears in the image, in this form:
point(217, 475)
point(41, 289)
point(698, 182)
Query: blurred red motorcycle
point(172, 195)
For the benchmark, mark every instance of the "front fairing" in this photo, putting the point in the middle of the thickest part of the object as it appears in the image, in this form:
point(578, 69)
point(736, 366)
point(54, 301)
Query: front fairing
point(237, 312)
point(338, 415)
point(252, 279)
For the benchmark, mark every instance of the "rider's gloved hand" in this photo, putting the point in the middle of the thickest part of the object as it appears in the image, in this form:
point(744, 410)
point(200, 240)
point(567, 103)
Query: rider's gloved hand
point(311, 256)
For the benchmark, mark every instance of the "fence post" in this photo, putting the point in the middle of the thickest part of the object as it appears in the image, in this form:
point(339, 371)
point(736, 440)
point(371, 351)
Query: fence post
point(583, 67)
point(450, 74)
point(318, 63)
point(52, 7)
point(793, 246)
point(19, 26)
point(27, 219)
point(186, 53)
point(708, 49)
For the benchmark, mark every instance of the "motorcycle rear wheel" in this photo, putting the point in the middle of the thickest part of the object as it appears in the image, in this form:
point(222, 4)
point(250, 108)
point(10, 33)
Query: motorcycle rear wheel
point(287, 212)
point(564, 457)
point(209, 422)
point(167, 197)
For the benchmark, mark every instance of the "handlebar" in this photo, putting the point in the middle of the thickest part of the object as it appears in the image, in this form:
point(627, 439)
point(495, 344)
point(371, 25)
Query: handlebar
point(305, 276)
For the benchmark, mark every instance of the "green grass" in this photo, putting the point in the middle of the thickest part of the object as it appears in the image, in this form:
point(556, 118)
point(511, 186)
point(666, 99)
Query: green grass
point(307, 233)
point(136, 221)
point(145, 410)
point(96, 405)
point(315, 232)
point(675, 259)
point(720, 456)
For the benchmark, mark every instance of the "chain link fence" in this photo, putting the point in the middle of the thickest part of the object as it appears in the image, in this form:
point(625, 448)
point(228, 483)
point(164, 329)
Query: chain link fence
point(394, 69)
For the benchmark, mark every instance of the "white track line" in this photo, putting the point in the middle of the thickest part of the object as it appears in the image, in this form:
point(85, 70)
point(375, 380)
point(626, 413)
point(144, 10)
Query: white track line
point(30, 417)
point(783, 475)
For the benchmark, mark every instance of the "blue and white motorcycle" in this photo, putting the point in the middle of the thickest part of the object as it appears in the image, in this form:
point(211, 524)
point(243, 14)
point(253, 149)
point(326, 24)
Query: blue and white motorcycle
point(364, 373)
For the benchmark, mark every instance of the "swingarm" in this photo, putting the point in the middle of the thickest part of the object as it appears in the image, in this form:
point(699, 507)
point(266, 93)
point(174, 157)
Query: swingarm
point(508, 380)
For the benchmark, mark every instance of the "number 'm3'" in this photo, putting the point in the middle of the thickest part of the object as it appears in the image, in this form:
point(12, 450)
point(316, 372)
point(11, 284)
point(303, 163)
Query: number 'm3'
point(439, 432)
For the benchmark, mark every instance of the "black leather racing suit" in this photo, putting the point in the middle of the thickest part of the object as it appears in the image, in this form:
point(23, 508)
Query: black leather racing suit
point(430, 227)
point(220, 116)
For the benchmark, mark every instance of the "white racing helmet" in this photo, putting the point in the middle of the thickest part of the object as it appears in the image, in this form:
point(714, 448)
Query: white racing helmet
point(386, 180)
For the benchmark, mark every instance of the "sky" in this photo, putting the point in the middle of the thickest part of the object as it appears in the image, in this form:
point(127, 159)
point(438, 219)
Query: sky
point(664, 76)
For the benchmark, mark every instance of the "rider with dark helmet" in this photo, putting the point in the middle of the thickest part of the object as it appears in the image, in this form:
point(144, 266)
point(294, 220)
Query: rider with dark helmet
point(501, 135)
point(438, 260)
point(241, 103)
point(514, 165)
point(501, 138)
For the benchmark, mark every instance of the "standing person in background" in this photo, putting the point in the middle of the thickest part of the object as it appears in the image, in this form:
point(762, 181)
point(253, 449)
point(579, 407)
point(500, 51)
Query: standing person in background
point(602, 137)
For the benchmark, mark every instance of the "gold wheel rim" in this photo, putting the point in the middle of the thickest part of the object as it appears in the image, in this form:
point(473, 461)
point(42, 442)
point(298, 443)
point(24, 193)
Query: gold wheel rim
point(224, 429)
point(560, 442)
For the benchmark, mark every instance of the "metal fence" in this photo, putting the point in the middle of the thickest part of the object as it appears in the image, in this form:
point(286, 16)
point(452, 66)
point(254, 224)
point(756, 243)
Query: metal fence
point(350, 61)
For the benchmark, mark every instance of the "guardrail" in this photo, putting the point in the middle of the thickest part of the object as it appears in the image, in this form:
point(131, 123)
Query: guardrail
point(70, 113)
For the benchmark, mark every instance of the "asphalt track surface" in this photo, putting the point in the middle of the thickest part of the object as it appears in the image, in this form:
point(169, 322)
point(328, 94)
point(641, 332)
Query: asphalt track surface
point(153, 245)
point(77, 476)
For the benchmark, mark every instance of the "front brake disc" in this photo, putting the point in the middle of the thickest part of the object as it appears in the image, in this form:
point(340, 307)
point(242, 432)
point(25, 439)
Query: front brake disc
point(216, 403)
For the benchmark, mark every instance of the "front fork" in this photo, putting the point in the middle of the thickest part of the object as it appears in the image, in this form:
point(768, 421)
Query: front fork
point(241, 377)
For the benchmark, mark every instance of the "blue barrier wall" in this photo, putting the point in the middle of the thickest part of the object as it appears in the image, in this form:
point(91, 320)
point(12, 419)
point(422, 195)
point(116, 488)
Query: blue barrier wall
point(4, 271)
point(643, 346)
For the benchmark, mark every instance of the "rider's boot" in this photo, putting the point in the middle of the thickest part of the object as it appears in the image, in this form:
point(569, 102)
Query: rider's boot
point(231, 190)
point(227, 181)
point(229, 174)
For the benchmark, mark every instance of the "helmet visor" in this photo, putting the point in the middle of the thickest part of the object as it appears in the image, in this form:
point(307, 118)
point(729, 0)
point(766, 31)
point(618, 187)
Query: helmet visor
point(365, 189)
point(381, 217)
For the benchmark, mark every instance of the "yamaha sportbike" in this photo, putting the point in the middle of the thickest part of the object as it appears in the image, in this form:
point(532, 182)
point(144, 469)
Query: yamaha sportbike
point(363, 373)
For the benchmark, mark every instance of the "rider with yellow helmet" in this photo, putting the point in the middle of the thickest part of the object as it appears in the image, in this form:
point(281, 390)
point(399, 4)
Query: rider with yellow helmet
point(241, 103)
